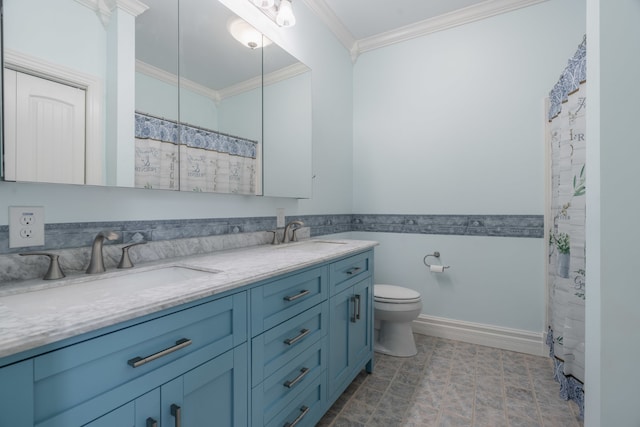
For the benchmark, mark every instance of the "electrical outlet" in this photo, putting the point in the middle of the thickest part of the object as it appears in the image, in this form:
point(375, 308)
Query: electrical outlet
point(26, 226)
point(279, 217)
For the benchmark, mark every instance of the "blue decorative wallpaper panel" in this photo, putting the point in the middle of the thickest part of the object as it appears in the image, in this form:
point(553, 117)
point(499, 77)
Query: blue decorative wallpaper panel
point(570, 79)
point(149, 127)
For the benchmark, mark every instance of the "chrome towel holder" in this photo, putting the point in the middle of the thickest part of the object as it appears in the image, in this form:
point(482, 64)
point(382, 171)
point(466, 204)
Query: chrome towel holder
point(436, 254)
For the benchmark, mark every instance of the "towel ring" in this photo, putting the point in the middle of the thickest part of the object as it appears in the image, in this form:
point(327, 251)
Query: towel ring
point(436, 254)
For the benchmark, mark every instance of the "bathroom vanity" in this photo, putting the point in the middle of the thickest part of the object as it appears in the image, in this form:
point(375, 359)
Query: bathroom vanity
point(264, 336)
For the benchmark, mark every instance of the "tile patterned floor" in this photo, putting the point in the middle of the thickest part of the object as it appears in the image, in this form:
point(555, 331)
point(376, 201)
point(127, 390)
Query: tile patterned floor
point(455, 384)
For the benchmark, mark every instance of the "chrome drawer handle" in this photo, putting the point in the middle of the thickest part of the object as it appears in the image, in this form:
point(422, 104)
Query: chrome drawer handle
point(357, 297)
point(303, 412)
point(298, 295)
point(296, 380)
point(292, 341)
point(354, 270)
point(139, 361)
point(176, 412)
point(151, 422)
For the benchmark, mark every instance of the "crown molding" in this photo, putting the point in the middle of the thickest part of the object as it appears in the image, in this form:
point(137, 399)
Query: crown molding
point(284, 73)
point(463, 16)
point(172, 79)
point(217, 96)
point(331, 20)
point(104, 8)
point(453, 19)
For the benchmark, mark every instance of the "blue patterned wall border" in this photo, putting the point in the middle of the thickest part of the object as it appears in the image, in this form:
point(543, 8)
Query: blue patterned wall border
point(73, 235)
point(460, 225)
point(570, 79)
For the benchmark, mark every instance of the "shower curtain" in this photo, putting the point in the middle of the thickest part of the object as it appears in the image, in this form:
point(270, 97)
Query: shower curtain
point(566, 269)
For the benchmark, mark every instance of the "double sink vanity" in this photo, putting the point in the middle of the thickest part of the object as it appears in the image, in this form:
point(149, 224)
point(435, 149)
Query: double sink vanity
point(269, 335)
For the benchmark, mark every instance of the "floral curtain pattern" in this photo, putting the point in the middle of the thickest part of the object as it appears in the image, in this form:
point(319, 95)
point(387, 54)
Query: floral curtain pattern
point(566, 273)
point(174, 156)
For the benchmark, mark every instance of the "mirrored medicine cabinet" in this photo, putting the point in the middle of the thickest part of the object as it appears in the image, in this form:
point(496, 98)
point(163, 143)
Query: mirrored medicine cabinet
point(178, 95)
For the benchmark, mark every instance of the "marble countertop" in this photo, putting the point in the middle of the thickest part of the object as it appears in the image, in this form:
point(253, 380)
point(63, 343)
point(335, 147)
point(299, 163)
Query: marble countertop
point(34, 313)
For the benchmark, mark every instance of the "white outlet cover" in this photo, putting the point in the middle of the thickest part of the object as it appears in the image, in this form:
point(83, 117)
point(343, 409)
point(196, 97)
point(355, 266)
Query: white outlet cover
point(21, 235)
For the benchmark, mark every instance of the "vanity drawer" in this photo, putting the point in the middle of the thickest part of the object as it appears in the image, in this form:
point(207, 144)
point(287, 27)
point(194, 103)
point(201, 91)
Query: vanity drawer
point(67, 377)
point(348, 271)
point(277, 391)
point(277, 301)
point(306, 409)
point(280, 345)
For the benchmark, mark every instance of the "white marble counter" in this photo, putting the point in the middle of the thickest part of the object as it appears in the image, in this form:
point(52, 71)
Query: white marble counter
point(34, 313)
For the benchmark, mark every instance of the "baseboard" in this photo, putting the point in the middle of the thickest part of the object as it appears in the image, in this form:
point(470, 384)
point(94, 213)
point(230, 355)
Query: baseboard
point(481, 334)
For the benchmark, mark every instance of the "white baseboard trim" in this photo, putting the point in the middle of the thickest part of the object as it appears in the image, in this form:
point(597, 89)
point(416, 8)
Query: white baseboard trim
point(481, 334)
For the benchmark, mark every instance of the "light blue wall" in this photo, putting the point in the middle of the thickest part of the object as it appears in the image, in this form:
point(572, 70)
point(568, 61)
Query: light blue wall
point(612, 344)
point(332, 154)
point(453, 123)
point(60, 21)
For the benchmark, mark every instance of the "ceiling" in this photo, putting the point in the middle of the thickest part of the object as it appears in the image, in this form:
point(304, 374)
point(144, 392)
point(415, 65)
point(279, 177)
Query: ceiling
point(363, 25)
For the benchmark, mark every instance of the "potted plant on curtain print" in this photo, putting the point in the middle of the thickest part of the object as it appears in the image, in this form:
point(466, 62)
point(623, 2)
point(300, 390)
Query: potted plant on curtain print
point(562, 243)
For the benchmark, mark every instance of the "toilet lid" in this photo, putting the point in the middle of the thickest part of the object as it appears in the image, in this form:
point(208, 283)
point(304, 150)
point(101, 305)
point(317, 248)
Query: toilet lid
point(395, 294)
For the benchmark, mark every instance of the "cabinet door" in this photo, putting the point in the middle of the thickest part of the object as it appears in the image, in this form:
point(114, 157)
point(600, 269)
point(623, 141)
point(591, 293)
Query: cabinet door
point(142, 412)
point(16, 401)
point(340, 318)
point(214, 393)
point(360, 335)
point(350, 343)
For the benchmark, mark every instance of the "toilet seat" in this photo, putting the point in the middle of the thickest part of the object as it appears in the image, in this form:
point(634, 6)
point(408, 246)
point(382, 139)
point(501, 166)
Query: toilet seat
point(391, 294)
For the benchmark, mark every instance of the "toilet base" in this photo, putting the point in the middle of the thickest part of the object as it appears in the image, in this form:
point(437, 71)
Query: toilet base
point(395, 339)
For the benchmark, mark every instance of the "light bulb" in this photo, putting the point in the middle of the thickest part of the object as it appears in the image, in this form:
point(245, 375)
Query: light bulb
point(285, 16)
point(264, 4)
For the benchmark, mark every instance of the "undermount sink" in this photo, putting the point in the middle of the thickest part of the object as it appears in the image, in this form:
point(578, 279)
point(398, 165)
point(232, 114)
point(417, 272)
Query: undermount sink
point(87, 289)
point(310, 245)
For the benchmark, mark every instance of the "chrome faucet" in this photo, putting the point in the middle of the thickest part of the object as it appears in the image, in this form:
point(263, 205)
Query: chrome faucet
point(96, 264)
point(285, 237)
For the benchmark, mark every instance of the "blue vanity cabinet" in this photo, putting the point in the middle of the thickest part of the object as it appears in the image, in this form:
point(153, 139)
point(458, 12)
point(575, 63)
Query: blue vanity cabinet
point(351, 322)
point(272, 353)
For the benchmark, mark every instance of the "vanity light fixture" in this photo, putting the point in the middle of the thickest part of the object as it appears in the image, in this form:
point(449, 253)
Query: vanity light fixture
point(246, 34)
point(282, 13)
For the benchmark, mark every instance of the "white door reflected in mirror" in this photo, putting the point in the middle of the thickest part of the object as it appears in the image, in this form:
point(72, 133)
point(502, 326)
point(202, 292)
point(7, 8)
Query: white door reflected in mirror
point(44, 130)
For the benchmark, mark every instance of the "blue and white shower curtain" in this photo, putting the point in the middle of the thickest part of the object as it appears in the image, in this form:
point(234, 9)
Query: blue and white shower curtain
point(566, 272)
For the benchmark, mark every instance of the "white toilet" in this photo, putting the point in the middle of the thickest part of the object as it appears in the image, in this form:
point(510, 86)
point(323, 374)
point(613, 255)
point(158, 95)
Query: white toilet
point(395, 308)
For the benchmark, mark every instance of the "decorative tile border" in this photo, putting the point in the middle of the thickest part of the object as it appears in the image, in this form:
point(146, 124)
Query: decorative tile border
point(459, 225)
point(73, 235)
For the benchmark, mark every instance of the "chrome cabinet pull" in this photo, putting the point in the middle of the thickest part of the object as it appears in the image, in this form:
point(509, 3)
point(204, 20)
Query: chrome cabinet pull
point(176, 411)
point(357, 297)
point(139, 361)
point(301, 294)
point(353, 309)
point(296, 380)
point(303, 412)
point(303, 333)
point(353, 270)
point(151, 422)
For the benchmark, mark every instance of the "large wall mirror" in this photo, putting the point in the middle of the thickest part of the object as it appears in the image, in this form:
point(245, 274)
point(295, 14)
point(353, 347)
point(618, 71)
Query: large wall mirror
point(178, 95)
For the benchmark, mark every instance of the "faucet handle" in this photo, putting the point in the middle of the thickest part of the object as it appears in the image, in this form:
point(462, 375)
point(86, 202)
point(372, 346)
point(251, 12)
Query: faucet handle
point(54, 271)
point(275, 240)
point(125, 261)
